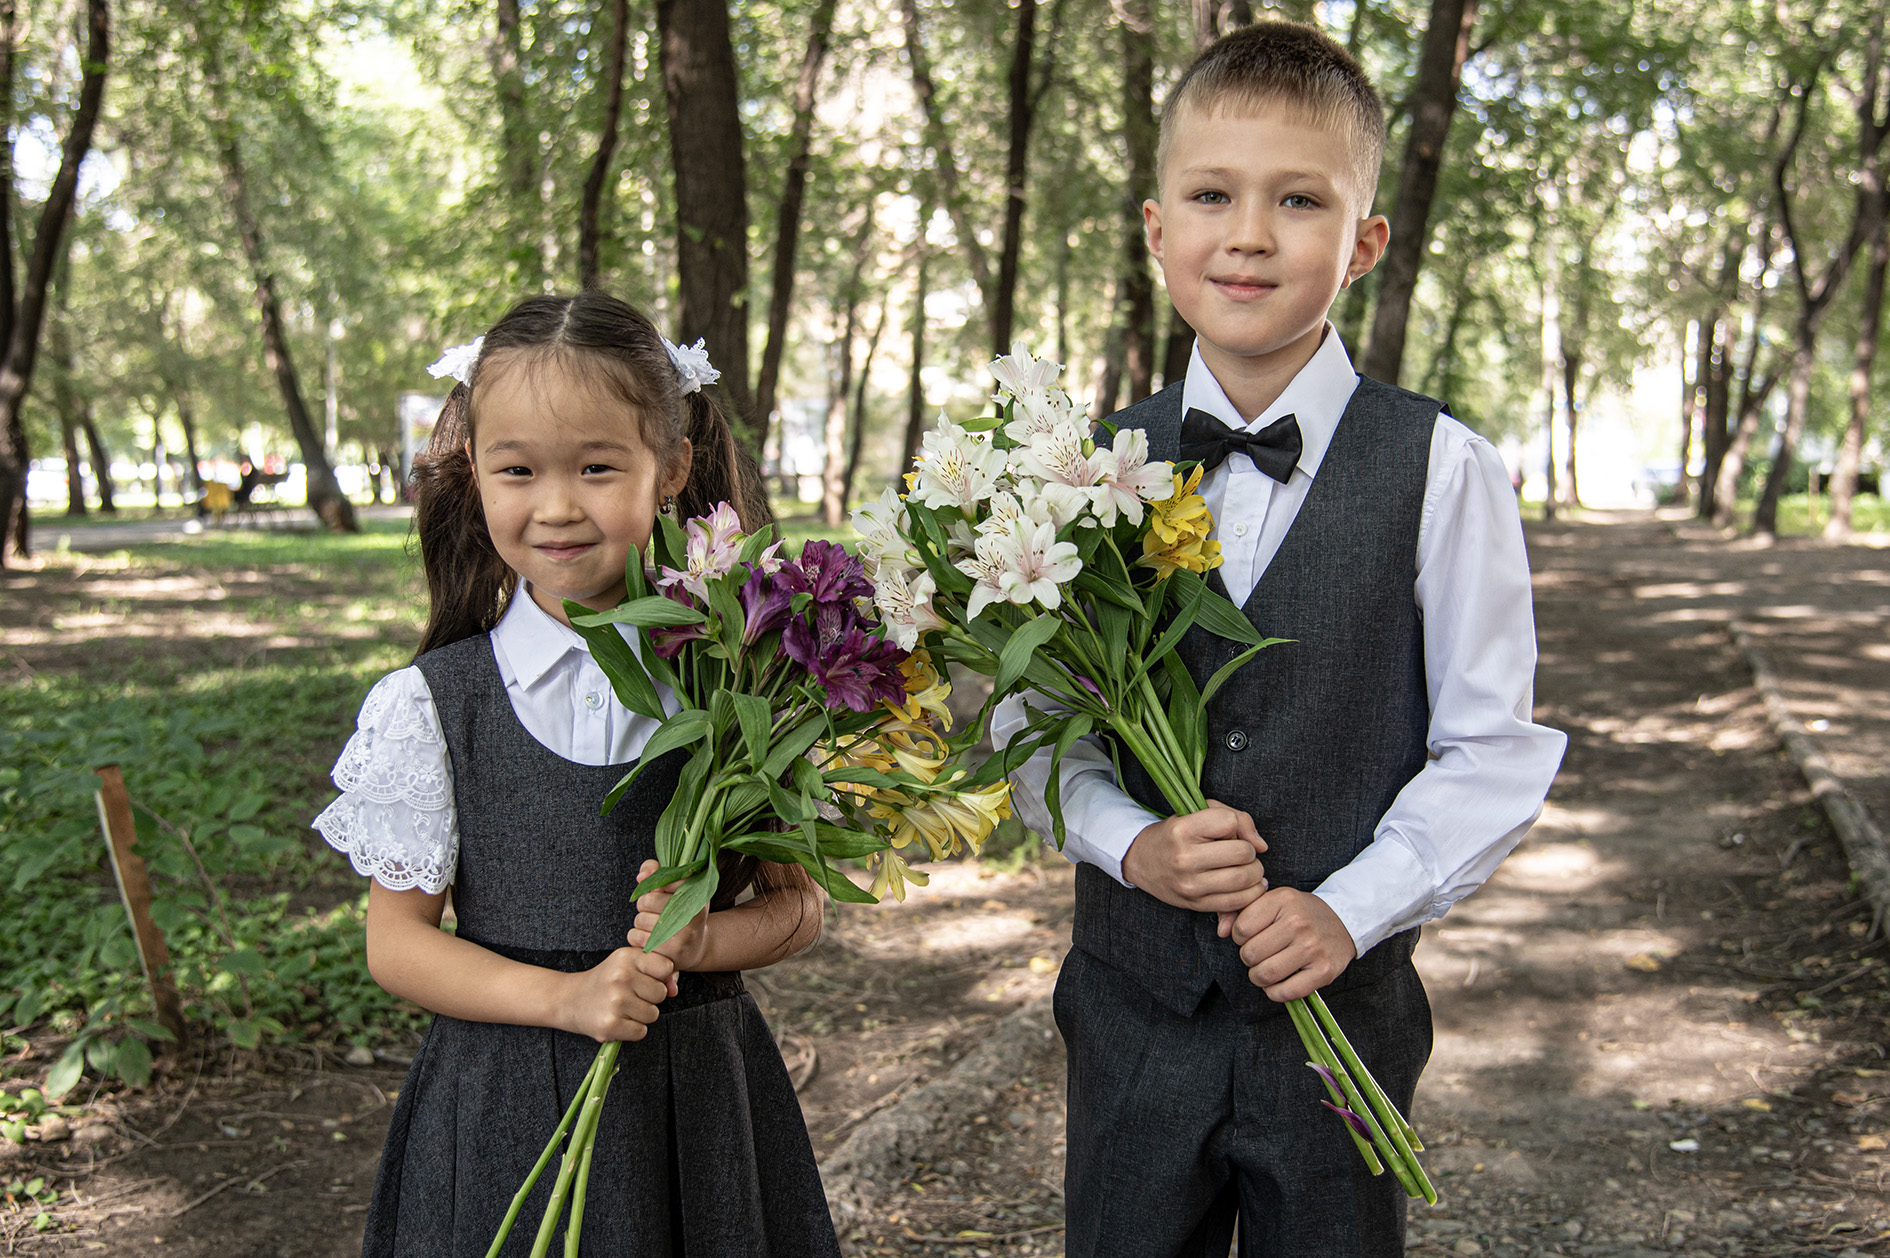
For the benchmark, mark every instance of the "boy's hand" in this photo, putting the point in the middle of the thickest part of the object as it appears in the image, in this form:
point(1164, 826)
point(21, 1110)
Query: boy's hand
point(1292, 943)
point(687, 947)
point(1208, 861)
point(616, 999)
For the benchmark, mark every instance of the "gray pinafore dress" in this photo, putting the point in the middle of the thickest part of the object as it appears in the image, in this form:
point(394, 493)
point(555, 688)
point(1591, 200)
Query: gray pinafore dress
point(701, 1150)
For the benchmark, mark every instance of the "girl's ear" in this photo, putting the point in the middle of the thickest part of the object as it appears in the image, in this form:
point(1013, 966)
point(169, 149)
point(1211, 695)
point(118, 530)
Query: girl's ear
point(678, 474)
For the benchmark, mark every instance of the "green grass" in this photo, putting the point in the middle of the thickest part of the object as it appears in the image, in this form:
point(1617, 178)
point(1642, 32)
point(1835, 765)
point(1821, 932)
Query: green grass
point(225, 730)
point(1800, 514)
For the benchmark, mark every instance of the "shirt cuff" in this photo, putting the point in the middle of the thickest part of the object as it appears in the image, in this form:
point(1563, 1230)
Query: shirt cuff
point(1101, 821)
point(1373, 894)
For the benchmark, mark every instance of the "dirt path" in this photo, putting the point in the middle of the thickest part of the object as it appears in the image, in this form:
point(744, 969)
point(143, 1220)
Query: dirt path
point(1661, 1029)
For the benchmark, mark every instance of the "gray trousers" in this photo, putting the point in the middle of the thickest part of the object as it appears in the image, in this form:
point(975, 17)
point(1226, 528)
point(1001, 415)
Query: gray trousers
point(1179, 1125)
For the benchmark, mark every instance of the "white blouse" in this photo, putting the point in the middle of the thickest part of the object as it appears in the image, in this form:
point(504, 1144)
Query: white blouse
point(395, 818)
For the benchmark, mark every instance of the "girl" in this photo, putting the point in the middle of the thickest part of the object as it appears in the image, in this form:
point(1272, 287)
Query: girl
point(483, 767)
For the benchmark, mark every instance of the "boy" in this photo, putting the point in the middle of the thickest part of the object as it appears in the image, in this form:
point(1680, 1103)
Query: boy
point(1384, 762)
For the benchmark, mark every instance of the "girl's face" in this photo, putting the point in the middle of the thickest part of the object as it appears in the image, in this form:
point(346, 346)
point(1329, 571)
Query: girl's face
point(567, 484)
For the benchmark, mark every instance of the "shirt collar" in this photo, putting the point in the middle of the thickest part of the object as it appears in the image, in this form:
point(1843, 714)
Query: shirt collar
point(1318, 396)
point(530, 642)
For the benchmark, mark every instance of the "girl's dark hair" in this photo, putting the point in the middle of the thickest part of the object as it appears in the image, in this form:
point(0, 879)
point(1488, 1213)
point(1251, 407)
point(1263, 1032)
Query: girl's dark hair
point(623, 354)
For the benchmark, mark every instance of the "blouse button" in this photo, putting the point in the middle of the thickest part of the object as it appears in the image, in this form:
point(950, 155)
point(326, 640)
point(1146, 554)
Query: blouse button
point(593, 701)
point(1240, 529)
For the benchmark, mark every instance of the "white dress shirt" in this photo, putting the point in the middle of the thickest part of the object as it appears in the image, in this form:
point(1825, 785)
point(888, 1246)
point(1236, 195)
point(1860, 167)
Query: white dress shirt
point(395, 818)
point(1490, 766)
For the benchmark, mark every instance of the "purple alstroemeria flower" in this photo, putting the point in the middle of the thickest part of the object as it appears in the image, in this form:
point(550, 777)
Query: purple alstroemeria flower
point(821, 628)
point(833, 575)
point(1091, 686)
point(767, 600)
point(668, 642)
point(1351, 1120)
point(860, 671)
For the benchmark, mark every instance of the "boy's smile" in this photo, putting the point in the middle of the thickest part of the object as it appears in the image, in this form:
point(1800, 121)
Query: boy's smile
point(1257, 230)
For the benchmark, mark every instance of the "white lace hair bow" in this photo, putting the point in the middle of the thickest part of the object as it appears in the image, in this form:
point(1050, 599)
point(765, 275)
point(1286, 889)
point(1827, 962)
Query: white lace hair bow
point(692, 364)
point(693, 369)
point(458, 361)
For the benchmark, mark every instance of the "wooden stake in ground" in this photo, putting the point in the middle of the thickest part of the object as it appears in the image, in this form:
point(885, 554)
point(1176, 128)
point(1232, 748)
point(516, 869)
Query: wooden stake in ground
point(134, 885)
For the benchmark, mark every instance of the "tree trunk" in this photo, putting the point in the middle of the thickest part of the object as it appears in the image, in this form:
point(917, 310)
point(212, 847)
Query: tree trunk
point(1433, 103)
point(705, 145)
point(590, 206)
point(65, 399)
point(945, 168)
point(1863, 364)
point(101, 460)
point(9, 38)
point(324, 491)
point(787, 228)
point(1016, 172)
point(22, 343)
point(518, 157)
point(858, 442)
point(1814, 299)
point(1571, 377)
point(75, 477)
point(915, 394)
point(1137, 293)
point(1177, 348)
point(1551, 355)
point(187, 418)
point(833, 492)
point(1752, 399)
point(1691, 402)
point(1108, 390)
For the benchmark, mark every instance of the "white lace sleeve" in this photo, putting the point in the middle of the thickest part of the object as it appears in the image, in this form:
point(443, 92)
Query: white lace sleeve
point(395, 819)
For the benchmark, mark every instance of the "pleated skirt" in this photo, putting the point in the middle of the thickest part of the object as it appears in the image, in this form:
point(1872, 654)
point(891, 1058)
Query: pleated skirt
point(701, 1149)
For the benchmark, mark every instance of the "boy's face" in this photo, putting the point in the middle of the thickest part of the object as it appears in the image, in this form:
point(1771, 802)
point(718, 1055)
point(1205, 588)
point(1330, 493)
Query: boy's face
point(1258, 229)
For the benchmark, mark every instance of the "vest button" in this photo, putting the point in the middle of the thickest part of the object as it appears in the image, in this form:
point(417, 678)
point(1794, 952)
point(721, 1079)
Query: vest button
point(1237, 740)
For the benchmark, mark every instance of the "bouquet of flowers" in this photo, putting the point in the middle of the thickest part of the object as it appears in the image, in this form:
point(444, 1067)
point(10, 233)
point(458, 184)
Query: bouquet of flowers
point(813, 736)
point(1070, 570)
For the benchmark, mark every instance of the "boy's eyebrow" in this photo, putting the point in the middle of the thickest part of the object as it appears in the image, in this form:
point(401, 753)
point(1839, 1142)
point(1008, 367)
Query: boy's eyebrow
point(1225, 173)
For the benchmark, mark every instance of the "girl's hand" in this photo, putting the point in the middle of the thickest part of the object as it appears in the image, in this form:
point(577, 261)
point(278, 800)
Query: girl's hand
point(618, 999)
point(687, 947)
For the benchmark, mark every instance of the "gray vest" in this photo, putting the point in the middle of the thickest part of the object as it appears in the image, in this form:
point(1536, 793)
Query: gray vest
point(540, 870)
point(1314, 738)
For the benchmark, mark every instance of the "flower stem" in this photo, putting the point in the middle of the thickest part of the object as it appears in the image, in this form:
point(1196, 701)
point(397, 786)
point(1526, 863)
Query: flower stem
point(602, 1069)
point(518, 1198)
point(1381, 1104)
point(1315, 1043)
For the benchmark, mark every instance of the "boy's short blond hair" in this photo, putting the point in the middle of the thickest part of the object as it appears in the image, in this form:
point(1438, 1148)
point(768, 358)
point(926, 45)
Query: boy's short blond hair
point(1294, 64)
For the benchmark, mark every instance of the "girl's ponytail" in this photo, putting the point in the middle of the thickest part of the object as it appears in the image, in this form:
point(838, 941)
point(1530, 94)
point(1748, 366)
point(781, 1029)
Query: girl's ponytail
point(468, 585)
point(722, 470)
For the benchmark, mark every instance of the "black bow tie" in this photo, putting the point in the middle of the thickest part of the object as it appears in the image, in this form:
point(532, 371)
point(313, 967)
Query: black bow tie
point(1274, 449)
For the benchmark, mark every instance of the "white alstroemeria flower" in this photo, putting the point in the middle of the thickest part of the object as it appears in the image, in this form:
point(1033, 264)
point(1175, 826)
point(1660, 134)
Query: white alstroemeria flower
point(956, 469)
point(985, 566)
point(1020, 372)
point(905, 606)
point(1128, 479)
point(692, 364)
point(1035, 565)
point(1055, 502)
point(458, 361)
point(1058, 458)
point(878, 523)
point(959, 540)
point(1041, 415)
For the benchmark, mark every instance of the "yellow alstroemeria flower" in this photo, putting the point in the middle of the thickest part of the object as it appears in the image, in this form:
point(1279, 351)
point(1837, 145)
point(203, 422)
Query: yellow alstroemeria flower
point(857, 752)
point(891, 874)
point(926, 692)
point(1178, 530)
point(944, 820)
